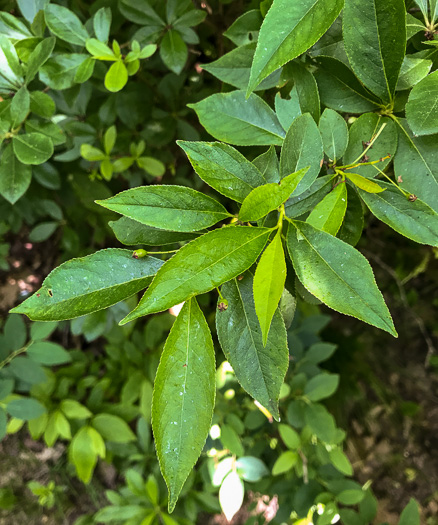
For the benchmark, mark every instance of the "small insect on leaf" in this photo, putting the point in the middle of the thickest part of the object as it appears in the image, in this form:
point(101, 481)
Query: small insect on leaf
point(222, 305)
point(138, 254)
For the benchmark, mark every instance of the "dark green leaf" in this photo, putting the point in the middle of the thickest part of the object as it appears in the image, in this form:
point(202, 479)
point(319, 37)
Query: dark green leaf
point(173, 51)
point(64, 24)
point(20, 106)
point(140, 12)
point(25, 408)
point(175, 208)
point(306, 89)
point(296, 206)
point(39, 57)
point(15, 177)
point(422, 106)
point(59, 71)
point(334, 134)
point(41, 232)
point(42, 104)
point(27, 370)
point(89, 284)
point(351, 229)
point(321, 386)
point(245, 29)
point(287, 109)
point(47, 353)
point(201, 265)
point(85, 70)
point(267, 163)
point(412, 71)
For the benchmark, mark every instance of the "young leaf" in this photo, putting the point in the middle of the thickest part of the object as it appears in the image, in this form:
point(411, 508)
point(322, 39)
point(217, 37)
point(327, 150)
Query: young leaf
point(352, 226)
point(422, 106)
point(232, 118)
point(337, 274)
point(223, 168)
point(100, 50)
point(259, 369)
point(302, 147)
point(334, 134)
point(414, 220)
point(270, 196)
point(200, 266)
point(116, 77)
point(329, 213)
point(288, 30)
point(173, 51)
point(88, 284)
point(32, 148)
point(174, 208)
point(15, 177)
point(269, 280)
point(374, 43)
point(64, 24)
point(363, 183)
point(86, 446)
point(113, 428)
point(184, 395)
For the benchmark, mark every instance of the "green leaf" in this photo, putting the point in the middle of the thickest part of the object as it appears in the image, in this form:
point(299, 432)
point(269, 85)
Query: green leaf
point(287, 110)
point(116, 77)
point(11, 74)
point(284, 462)
point(259, 369)
point(47, 353)
point(85, 70)
point(25, 408)
point(20, 106)
point(32, 148)
point(415, 220)
point(269, 280)
point(60, 70)
point(251, 469)
point(319, 352)
point(329, 213)
point(375, 43)
point(173, 51)
point(231, 495)
point(74, 410)
point(223, 168)
point(91, 153)
point(113, 428)
point(27, 370)
point(131, 233)
point(109, 139)
point(88, 284)
point(270, 196)
point(320, 421)
point(100, 50)
point(200, 266)
point(337, 274)
point(410, 514)
point(321, 386)
point(152, 166)
point(42, 330)
point(184, 395)
point(363, 131)
point(340, 461)
point(176, 208)
point(296, 206)
point(245, 29)
point(140, 12)
point(232, 118)
point(102, 23)
point(123, 513)
point(86, 446)
point(267, 163)
point(39, 57)
point(288, 30)
point(412, 71)
point(364, 184)
point(234, 68)
point(422, 106)
point(306, 88)
point(334, 134)
point(416, 164)
point(41, 232)
point(42, 104)
point(29, 9)
point(340, 90)
point(64, 24)
point(302, 147)
point(15, 177)
point(49, 129)
point(289, 436)
point(231, 440)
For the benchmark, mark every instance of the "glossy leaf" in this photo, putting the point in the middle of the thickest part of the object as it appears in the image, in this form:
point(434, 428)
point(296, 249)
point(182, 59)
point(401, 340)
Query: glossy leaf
point(15, 177)
point(116, 77)
point(245, 29)
point(176, 208)
point(20, 106)
point(200, 266)
point(88, 284)
point(422, 106)
point(173, 51)
point(412, 71)
point(232, 118)
point(298, 205)
point(32, 148)
point(223, 168)
point(11, 74)
point(415, 220)
point(364, 184)
point(259, 369)
point(352, 227)
point(184, 396)
point(302, 147)
point(287, 109)
point(374, 43)
point(64, 24)
point(288, 30)
point(337, 274)
point(329, 213)
point(334, 134)
point(269, 280)
point(270, 196)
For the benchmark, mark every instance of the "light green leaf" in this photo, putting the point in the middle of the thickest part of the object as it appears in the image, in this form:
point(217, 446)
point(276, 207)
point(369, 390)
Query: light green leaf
point(306, 88)
point(200, 266)
point(86, 446)
point(320, 421)
point(375, 42)
point(100, 50)
point(288, 30)
point(284, 462)
point(42, 104)
point(39, 57)
point(91, 153)
point(259, 369)
point(74, 410)
point(184, 395)
point(231, 440)
point(88, 284)
point(224, 168)
point(334, 134)
point(422, 106)
point(173, 51)
point(231, 495)
point(289, 436)
point(25, 408)
point(116, 77)
point(131, 233)
point(64, 24)
point(15, 177)
point(20, 106)
point(340, 461)
point(232, 118)
point(269, 280)
point(47, 353)
point(102, 23)
point(321, 386)
point(13, 28)
point(329, 213)
point(123, 513)
point(176, 208)
point(337, 274)
point(302, 147)
point(412, 71)
point(410, 514)
point(364, 184)
point(268, 197)
point(415, 220)
point(32, 148)
point(109, 139)
point(152, 166)
point(113, 428)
